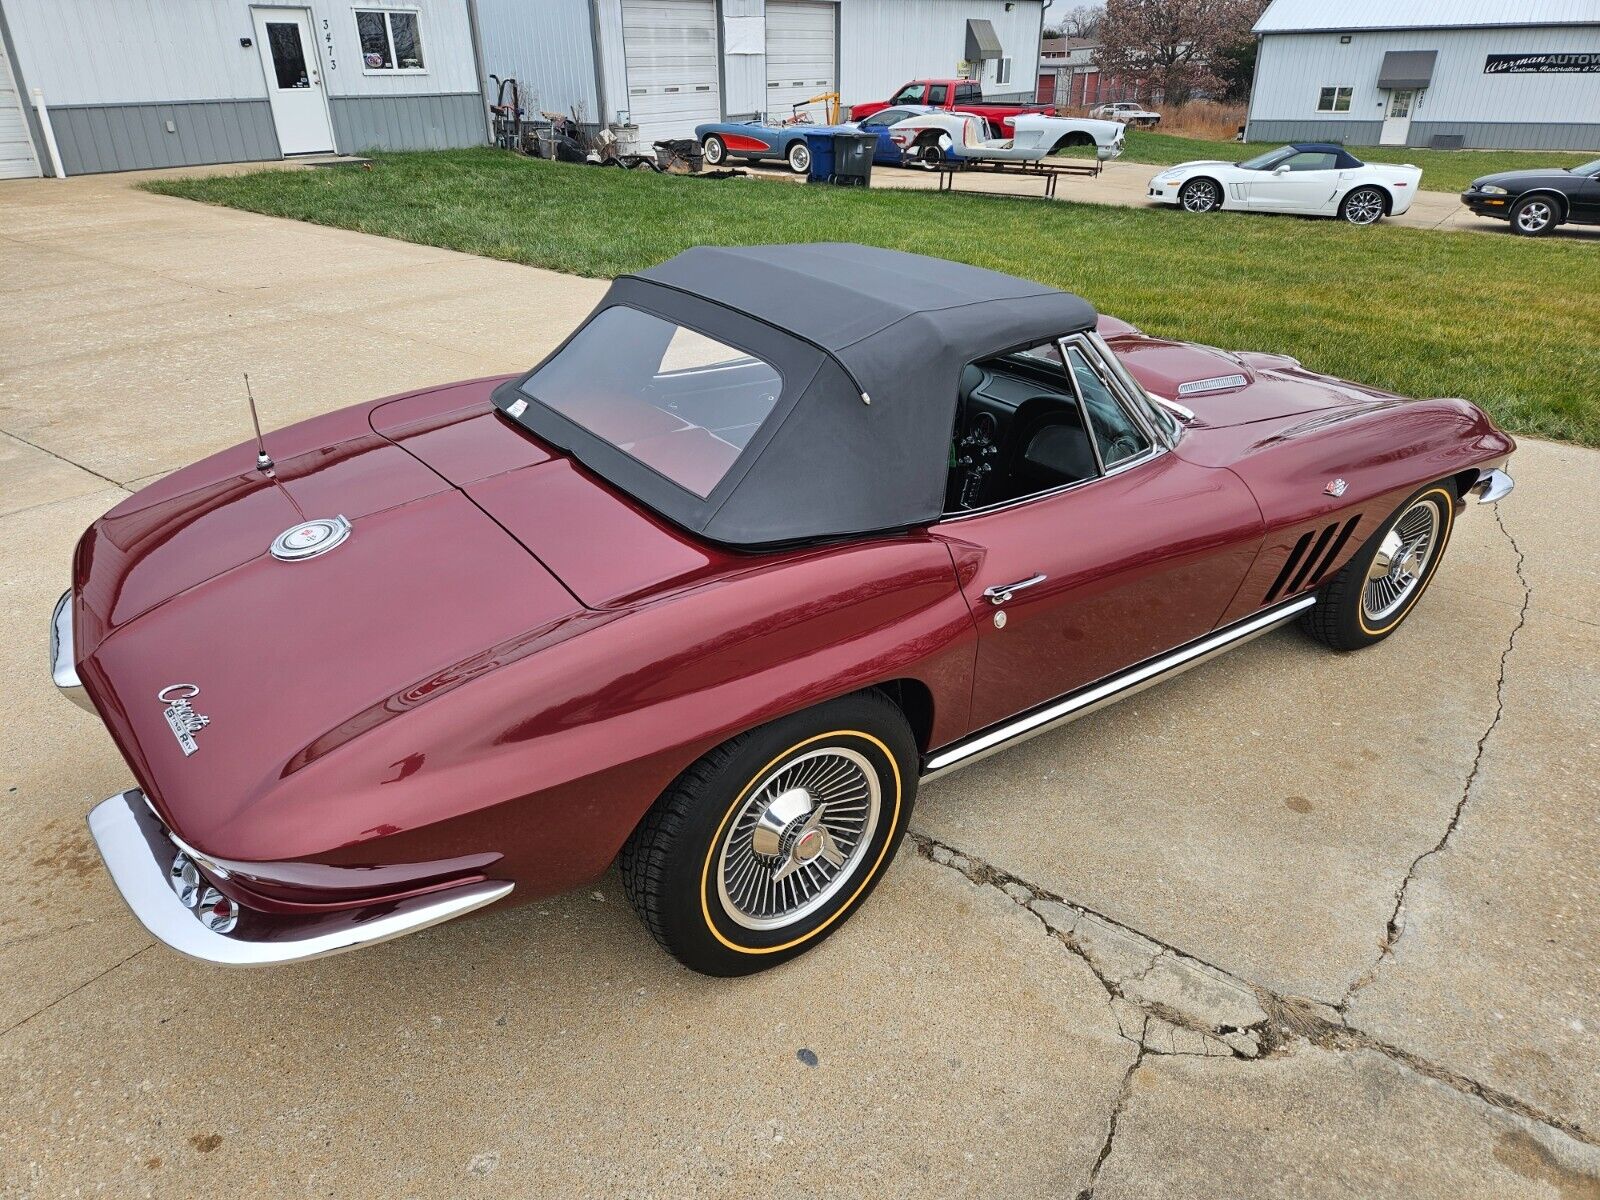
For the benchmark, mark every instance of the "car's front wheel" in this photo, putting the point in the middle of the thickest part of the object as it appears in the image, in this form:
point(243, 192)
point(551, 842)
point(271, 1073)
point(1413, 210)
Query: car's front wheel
point(1363, 206)
point(1377, 589)
point(1534, 217)
point(769, 842)
point(1200, 196)
point(799, 156)
point(713, 150)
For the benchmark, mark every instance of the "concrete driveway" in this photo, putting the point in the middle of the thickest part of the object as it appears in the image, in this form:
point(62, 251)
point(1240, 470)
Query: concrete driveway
point(1127, 184)
point(1295, 924)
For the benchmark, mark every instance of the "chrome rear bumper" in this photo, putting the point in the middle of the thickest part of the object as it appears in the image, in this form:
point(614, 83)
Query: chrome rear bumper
point(63, 666)
point(1493, 484)
point(139, 852)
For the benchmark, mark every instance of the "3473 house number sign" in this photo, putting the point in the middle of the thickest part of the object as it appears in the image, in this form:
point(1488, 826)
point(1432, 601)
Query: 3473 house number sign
point(327, 41)
point(1542, 64)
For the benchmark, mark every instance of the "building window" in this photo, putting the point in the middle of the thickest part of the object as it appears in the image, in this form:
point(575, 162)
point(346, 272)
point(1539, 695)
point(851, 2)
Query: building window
point(1002, 71)
point(1334, 99)
point(391, 39)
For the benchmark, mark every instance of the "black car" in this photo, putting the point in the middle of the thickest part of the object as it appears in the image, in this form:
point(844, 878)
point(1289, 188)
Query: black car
point(1535, 202)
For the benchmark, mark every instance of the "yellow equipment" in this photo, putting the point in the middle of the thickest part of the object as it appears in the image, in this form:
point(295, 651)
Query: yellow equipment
point(831, 99)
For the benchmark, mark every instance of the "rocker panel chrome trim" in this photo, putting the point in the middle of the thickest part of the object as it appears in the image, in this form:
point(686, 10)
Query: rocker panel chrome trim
point(1097, 695)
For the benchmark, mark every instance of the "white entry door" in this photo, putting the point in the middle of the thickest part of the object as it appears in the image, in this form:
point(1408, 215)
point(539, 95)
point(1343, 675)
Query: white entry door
point(1397, 117)
point(294, 82)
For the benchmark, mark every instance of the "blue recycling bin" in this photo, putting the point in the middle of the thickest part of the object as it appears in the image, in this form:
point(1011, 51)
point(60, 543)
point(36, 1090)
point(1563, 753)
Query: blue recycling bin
point(821, 146)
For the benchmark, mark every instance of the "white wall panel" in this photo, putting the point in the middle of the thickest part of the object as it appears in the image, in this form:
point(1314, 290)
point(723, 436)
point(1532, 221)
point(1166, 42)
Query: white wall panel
point(547, 46)
point(1293, 66)
point(86, 52)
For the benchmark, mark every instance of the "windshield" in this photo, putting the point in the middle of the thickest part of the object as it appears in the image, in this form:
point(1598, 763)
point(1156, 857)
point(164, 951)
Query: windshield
point(1265, 162)
point(683, 404)
point(1588, 168)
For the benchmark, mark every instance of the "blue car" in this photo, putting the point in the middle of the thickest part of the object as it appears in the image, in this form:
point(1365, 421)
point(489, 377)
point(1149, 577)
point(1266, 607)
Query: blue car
point(754, 141)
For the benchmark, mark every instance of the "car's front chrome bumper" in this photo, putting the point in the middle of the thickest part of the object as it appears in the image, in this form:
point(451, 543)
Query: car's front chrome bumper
point(139, 854)
point(63, 666)
point(1493, 484)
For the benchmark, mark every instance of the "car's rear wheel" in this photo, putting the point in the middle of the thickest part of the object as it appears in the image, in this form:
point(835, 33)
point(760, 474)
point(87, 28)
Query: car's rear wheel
point(1200, 196)
point(799, 157)
point(1377, 589)
point(1534, 217)
point(1363, 206)
point(769, 842)
point(713, 150)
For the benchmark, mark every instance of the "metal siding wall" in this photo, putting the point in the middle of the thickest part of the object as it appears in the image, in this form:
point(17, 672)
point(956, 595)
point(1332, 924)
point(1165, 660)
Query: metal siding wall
point(407, 122)
point(120, 52)
point(613, 59)
point(744, 75)
point(1511, 135)
point(1351, 133)
point(885, 43)
point(129, 137)
point(1295, 66)
point(547, 45)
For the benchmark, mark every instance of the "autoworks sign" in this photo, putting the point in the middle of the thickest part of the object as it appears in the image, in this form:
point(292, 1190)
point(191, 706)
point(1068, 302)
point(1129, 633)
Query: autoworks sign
point(1542, 64)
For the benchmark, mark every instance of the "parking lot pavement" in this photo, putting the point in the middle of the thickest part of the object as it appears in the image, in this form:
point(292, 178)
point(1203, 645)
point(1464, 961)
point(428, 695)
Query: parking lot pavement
point(1294, 924)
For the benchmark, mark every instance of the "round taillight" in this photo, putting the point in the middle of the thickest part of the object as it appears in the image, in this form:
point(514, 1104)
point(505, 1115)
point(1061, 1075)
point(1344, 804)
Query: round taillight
point(217, 913)
point(185, 879)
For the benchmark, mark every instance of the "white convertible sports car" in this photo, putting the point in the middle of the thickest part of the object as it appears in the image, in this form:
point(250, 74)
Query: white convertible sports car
point(931, 137)
point(1319, 178)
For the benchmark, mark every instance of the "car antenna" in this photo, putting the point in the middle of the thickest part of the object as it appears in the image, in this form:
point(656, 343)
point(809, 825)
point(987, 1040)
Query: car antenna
point(263, 459)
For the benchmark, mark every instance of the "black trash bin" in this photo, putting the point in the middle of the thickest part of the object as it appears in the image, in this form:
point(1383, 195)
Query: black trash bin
point(852, 158)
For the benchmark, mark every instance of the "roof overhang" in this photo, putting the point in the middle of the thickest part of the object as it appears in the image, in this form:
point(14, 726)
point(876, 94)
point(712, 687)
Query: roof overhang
point(982, 43)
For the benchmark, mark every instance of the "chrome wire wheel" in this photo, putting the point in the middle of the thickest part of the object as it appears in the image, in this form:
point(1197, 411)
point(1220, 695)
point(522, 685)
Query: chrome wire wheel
point(799, 838)
point(1201, 195)
point(1534, 216)
point(1363, 206)
point(1401, 562)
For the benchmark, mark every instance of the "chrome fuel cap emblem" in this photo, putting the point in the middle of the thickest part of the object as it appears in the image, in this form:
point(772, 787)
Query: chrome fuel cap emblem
point(310, 538)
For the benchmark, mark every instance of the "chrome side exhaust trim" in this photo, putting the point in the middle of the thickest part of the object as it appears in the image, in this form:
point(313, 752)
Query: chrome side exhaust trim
point(1081, 703)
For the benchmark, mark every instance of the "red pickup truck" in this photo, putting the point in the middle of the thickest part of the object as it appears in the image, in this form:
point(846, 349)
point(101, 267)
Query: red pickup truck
point(957, 95)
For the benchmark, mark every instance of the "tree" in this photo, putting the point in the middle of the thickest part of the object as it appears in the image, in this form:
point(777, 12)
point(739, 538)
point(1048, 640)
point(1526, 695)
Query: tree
point(1081, 22)
point(1178, 47)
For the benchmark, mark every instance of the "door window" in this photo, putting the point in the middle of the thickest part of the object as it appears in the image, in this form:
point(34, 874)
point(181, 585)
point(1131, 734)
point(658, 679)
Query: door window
point(1311, 160)
point(973, 91)
point(937, 93)
point(910, 94)
point(288, 55)
point(1400, 103)
point(1116, 434)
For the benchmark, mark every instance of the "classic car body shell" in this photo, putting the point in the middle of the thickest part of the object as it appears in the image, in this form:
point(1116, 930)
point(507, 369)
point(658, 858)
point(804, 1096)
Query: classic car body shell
point(1035, 136)
point(491, 681)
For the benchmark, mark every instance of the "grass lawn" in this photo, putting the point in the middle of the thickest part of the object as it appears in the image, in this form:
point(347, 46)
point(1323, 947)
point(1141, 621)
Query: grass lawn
point(1442, 170)
point(1509, 323)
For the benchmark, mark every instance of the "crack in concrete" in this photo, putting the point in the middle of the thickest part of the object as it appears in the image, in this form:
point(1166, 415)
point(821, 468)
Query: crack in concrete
point(1396, 927)
point(10, 1029)
point(1087, 1192)
point(1286, 1018)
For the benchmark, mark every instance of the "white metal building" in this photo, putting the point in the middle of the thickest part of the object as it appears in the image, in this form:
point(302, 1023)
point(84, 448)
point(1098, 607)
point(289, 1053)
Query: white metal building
point(128, 84)
point(668, 65)
point(1475, 73)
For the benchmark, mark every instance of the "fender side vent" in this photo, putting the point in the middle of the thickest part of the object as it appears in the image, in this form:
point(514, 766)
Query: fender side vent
point(1309, 560)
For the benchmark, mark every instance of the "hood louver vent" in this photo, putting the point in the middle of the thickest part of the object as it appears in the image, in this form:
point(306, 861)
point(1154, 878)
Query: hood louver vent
point(1310, 558)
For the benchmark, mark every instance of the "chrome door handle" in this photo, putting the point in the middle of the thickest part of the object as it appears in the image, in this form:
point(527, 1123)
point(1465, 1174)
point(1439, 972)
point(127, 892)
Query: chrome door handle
point(1001, 593)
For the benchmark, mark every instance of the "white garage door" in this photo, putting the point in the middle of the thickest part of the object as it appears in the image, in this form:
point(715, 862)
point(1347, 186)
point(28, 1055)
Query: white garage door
point(671, 48)
point(800, 54)
point(17, 159)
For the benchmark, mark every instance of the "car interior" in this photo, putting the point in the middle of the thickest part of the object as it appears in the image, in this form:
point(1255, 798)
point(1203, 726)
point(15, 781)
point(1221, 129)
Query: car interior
point(1025, 425)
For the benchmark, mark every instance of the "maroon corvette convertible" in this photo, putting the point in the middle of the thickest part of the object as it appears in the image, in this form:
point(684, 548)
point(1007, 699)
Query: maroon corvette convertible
point(775, 534)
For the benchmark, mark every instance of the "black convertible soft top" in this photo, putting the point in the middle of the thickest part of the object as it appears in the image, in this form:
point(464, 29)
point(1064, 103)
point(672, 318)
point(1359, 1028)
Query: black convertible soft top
point(870, 344)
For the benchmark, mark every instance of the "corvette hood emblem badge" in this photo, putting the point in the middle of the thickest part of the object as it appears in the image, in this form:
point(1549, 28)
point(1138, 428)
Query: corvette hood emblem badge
point(1336, 487)
point(181, 716)
point(310, 538)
